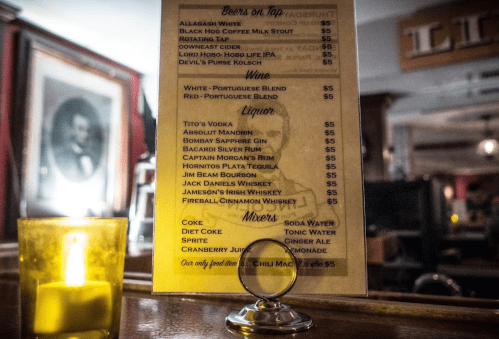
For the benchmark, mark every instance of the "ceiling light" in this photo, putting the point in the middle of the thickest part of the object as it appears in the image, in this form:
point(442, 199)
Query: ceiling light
point(489, 146)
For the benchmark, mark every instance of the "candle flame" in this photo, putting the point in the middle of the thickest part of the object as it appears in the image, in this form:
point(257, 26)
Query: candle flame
point(75, 265)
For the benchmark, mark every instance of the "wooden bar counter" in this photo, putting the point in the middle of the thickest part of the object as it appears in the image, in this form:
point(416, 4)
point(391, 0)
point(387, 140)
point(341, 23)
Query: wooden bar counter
point(381, 315)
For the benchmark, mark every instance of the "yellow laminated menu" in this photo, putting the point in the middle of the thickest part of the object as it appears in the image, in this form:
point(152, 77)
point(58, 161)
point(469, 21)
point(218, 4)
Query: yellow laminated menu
point(258, 137)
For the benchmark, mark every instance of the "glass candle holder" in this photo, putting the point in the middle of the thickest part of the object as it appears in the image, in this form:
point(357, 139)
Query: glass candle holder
point(71, 274)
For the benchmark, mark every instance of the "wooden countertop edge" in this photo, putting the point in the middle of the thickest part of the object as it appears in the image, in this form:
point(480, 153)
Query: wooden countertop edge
point(406, 309)
point(140, 288)
point(343, 304)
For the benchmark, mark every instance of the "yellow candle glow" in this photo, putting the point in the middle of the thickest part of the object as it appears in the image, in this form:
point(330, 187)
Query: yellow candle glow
point(75, 263)
point(74, 304)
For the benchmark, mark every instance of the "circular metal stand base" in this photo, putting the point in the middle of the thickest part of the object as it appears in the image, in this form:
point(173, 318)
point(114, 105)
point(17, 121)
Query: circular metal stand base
point(268, 317)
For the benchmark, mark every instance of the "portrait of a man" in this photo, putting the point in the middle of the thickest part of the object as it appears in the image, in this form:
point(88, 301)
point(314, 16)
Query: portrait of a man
point(77, 139)
point(270, 123)
point(76, 150)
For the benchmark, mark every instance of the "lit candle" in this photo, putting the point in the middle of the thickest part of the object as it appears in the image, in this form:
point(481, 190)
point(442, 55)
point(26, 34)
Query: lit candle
point(74, 304)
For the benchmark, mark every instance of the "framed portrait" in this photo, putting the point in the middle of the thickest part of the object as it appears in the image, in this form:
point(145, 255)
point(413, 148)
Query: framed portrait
point(75, 132)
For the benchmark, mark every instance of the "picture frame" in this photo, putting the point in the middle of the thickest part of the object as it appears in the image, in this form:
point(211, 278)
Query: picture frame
point(73, 126)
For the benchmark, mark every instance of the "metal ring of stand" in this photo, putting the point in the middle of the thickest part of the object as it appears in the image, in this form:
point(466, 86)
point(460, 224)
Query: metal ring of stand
point(268, 315)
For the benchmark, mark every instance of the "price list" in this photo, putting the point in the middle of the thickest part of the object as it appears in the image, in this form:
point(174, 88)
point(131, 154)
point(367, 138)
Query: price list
point(257, 140)
point(283, 40)
point(331, 174)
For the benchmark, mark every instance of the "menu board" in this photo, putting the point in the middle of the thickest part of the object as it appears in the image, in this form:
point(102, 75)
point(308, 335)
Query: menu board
point(258, 137)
